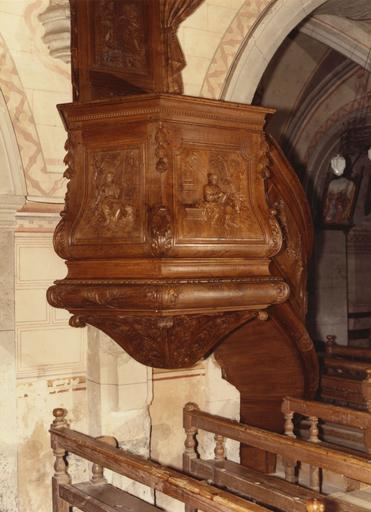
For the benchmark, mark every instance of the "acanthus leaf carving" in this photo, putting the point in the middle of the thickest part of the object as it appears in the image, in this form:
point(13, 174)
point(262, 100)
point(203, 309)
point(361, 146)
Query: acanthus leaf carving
point(68, 173)
point(170, 341)
point(277, 238)
point(264, 172)
point(59, 239)
point(264, 160)
point(160, 227)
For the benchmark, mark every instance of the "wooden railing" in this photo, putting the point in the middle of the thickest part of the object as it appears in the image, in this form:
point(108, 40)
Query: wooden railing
point(333, 349)
point(98, 496)
point(267, 489)
point(316, 411)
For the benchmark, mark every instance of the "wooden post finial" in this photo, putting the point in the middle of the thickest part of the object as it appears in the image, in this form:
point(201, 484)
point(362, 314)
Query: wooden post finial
point(59, 417)
point(330, 342)
point(315, 505)
point(191, 406)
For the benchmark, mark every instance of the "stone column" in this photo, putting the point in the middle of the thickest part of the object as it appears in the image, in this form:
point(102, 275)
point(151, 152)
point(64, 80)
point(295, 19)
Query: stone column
point(328, 300)
point(119, 395)
point(8, 431)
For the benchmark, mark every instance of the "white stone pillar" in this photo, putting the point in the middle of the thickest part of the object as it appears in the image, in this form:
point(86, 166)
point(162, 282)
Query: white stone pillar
point(8, 430)
point(328, 305)
point(119, 395)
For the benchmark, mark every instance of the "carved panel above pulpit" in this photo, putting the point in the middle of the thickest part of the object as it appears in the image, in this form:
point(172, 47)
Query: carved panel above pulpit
point(121, 47)
point(167, 230)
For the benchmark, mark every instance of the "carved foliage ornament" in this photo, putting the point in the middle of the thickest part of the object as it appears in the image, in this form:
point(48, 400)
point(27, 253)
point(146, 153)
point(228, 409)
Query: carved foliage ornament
point(161, 151)
point(161, 234)
point(169, 341)
point(173, 13)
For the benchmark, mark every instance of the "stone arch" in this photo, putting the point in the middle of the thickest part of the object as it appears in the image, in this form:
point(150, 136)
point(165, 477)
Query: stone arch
point(12, 180)
point(40, 183)
point(249, 44)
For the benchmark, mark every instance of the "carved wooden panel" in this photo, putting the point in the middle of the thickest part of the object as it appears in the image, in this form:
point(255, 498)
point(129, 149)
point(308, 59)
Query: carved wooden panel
point(167, 230)
point(122, 47)
point(214, 201)
point(120, 30)
point(113, 208)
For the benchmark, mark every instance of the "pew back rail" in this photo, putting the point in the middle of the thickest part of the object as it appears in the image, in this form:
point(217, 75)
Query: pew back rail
point(266, 489)
point(99, 496)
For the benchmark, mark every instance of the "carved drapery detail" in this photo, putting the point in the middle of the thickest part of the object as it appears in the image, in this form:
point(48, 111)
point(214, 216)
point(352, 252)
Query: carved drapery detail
point(132, 46)
point(173, 13)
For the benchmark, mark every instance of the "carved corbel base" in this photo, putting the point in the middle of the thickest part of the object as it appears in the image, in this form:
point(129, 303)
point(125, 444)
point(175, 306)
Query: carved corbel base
point(177, 341)
point(167, 323)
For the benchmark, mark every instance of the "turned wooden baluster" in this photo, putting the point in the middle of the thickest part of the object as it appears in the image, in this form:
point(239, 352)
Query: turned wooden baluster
point(219, 450)
point(190, 444)
point(97, 477)
point(330, 343)
point(290, 465)
point(314, 505)
point(61, 475)
point(314, 472)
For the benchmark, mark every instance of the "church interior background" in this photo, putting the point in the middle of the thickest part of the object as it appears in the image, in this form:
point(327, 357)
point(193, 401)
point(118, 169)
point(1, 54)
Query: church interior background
point(310, 60)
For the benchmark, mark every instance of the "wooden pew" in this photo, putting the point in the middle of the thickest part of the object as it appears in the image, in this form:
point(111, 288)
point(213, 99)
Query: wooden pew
point(346, 378)
point(333, 415)
point(316, 411)
point(347, 352)
point(269, 490)
point(99, 496)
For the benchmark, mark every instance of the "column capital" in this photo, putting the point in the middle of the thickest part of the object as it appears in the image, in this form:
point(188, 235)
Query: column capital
point(9, 204)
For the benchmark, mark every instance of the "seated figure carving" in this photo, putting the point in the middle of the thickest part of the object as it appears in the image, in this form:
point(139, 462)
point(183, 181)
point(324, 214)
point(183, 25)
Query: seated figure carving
point(221, 208)
point(108, 204)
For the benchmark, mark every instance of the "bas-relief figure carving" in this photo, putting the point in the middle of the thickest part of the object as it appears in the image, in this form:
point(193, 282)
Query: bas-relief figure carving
point(121, 34)
point(111, 210)
point(215, 196)
point(339, 201)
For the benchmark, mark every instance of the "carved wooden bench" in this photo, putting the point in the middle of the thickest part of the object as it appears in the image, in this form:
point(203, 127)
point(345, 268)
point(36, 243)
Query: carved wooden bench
point(99, 496)
point(268, 490)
